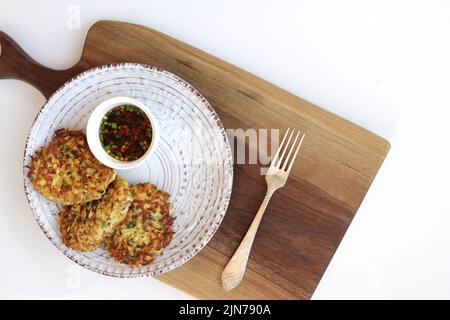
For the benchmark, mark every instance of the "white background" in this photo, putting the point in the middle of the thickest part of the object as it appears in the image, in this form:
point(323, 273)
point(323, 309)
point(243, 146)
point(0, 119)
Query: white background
point(384, 65)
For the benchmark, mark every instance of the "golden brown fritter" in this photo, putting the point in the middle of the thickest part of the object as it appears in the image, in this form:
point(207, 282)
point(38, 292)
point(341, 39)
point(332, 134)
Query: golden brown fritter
point(83, 227)
point(146, 230)
point(67, 172)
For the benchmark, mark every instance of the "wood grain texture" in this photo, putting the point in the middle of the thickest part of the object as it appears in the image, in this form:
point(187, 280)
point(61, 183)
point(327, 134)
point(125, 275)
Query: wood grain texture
point(304, 222)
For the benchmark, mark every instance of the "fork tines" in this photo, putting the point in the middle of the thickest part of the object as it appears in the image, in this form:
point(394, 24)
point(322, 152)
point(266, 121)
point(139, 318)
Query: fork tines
point(285, 163)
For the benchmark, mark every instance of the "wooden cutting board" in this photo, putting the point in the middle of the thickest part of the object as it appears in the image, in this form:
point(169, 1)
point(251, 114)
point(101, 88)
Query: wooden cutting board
point(305, 221)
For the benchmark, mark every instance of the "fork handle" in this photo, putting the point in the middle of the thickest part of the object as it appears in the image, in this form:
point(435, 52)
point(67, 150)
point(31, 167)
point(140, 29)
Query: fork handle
point(234, 271)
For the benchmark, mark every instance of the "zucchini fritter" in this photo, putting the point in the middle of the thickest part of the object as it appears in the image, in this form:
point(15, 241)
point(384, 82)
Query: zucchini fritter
point(67, 172)
point(146, 230)
point(83, 227)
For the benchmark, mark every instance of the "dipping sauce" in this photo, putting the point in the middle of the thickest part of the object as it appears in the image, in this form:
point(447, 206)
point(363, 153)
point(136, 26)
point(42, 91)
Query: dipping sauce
point(125, 132)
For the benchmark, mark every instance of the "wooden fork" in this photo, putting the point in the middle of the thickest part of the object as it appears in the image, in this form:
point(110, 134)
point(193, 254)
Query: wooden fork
point(276, 177)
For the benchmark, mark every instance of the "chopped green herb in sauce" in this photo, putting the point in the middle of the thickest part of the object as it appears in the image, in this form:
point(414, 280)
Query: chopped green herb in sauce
point(125, 133)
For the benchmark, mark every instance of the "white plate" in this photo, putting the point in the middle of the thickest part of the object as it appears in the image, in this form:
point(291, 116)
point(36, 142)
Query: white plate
point(193, 160)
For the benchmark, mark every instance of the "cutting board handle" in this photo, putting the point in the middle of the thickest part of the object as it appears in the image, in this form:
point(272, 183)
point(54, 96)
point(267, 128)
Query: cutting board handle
point(15, 63)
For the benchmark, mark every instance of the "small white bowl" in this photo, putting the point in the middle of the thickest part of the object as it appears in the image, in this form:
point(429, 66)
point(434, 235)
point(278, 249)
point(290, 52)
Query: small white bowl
point(93, 137)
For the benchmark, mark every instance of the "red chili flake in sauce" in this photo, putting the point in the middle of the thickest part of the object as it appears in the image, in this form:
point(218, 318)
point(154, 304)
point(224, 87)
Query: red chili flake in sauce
point(125, 133)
